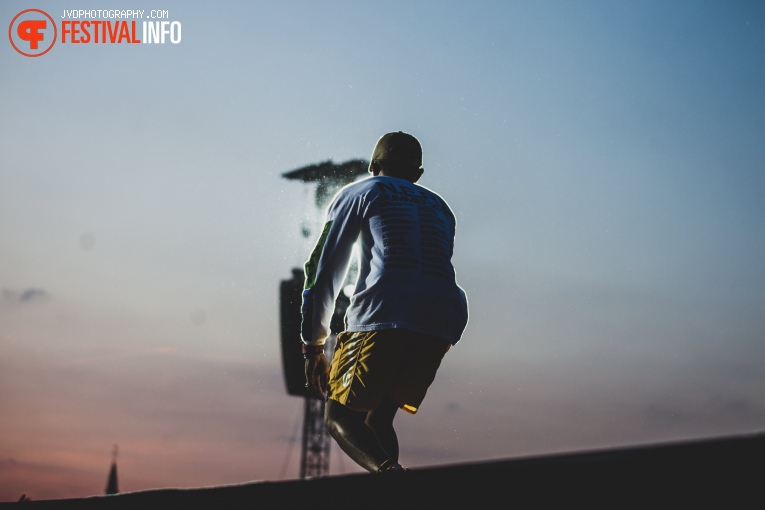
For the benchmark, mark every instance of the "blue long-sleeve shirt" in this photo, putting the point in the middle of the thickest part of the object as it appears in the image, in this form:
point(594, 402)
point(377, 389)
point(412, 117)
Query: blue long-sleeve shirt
point(405, 234)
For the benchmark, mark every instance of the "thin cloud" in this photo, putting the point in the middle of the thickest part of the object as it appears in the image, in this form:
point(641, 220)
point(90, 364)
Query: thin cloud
point(25, 296)
point(32, 294)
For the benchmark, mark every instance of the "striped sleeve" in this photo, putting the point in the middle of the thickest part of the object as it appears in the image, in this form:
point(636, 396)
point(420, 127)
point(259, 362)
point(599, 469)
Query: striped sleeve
point(326, 268)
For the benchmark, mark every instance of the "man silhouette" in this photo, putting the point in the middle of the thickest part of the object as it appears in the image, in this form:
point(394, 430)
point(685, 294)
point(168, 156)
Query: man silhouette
point(406, 310)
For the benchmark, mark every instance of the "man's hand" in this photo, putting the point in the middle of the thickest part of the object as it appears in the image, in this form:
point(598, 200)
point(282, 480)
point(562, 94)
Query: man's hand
point(317, 375)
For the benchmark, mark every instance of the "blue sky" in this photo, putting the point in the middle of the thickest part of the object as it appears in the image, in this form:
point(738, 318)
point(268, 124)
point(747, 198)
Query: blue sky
point(604, 161)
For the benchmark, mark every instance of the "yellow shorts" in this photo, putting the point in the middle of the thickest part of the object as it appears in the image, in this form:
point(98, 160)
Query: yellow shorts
point(367, 366)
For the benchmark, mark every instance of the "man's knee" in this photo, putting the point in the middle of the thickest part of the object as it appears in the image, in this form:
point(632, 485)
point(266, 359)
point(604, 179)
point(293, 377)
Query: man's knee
point(383, 416)
point(330, 420)
point(332, 426)
point(338, 417)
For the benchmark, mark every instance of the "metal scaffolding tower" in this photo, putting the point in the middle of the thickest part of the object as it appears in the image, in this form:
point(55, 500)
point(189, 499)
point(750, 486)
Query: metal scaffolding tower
point(314, 459)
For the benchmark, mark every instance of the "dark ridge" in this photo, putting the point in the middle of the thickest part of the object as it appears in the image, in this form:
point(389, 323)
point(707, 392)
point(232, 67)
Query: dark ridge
point(719, 473)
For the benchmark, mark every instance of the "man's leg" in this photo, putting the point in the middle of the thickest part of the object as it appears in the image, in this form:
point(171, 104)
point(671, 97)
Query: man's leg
point(355, 437)
point(380, 420)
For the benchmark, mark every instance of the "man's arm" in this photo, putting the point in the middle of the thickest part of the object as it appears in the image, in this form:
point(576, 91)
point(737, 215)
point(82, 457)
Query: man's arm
point(325, 272)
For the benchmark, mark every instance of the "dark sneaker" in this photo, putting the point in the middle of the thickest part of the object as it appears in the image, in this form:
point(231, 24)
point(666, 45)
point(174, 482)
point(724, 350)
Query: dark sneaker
point(391, 467)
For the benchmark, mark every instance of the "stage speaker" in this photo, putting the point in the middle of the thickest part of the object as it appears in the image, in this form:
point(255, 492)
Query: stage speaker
point(291, 300)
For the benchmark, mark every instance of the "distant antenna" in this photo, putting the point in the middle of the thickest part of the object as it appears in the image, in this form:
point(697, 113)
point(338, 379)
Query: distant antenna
point(111, 484)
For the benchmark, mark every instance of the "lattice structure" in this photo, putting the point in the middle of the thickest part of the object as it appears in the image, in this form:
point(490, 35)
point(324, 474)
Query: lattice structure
point(314, 459)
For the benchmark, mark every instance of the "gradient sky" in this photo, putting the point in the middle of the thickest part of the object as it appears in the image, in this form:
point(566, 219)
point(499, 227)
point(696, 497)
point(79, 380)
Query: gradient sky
point(605, 161)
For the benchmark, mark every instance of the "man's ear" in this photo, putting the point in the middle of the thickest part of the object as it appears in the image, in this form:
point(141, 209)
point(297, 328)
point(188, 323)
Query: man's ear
point(375, 168)
point(418, 174)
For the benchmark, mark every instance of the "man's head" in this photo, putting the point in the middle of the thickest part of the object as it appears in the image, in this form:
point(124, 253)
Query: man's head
point(397, 154)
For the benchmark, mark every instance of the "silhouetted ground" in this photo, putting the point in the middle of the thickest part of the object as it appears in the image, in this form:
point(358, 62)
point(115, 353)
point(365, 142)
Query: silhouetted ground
point(726, 473)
